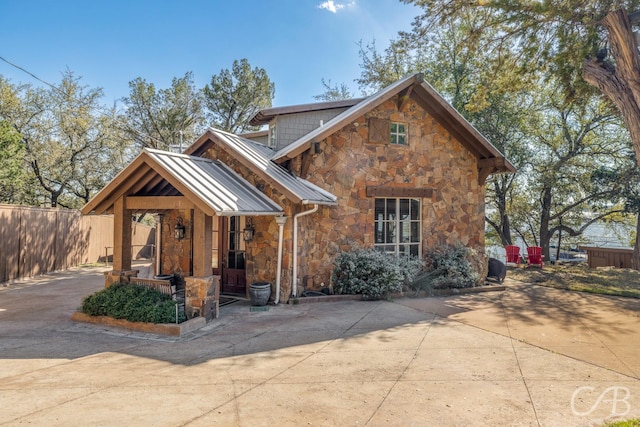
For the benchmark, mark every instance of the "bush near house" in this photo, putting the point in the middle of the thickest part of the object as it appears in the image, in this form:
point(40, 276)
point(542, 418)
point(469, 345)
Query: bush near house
point(132, 303)
point(447, 267)
point(372, 273)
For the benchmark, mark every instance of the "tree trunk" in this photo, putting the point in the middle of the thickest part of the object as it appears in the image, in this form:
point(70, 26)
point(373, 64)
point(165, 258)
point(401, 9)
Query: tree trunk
point(506, 230)
point(635, 259)
point(620, 82)
point(505, 226)
point(558, 248)
point(545, 218)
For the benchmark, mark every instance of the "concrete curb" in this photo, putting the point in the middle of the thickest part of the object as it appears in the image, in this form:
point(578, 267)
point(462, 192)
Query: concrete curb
point(170, 329)
point(327, 298)
point(462, 291)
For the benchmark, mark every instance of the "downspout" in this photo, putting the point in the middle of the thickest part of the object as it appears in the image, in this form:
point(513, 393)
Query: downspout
point(280, 220)
point(294, 291)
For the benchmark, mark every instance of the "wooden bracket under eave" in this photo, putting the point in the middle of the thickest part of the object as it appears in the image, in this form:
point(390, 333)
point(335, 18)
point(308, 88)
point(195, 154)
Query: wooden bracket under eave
point(403, 97)
point(488, 166)
point(483, 174)
point(305, 163)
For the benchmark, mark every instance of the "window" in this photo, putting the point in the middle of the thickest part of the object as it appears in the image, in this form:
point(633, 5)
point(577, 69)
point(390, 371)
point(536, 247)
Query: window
point(215, 250)
point(383, 131)
point(236, 246)
point(398, 134)
point(397, 226)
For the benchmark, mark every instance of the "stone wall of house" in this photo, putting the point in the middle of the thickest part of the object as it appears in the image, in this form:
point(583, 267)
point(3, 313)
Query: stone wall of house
point(262, 252)
point(176, 254)
point(348, 163)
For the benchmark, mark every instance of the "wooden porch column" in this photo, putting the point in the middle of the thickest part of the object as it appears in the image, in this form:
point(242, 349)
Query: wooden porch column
point(121, 236)
point(202, 236)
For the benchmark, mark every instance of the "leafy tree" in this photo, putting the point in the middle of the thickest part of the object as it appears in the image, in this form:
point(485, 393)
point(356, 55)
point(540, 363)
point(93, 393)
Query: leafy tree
point(333, 93)
point(577, 41)
point(571, 142)
point(459, 74)
point(503, 123)
point(64, 135)
point(113, 155)
point(380, 69)
point(235, 95)
point(13, 175)
point(162, 118)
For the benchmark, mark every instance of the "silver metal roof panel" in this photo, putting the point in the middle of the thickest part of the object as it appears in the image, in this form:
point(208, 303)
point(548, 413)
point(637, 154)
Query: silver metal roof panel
point(226, 192)
point(259, 158)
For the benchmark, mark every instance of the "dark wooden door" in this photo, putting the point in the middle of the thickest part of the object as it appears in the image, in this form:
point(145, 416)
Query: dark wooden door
point(234, 280)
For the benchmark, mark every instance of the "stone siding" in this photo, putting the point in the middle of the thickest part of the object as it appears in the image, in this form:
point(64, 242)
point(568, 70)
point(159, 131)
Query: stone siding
point(348, 163)
point(176, 254)
point(262, 253)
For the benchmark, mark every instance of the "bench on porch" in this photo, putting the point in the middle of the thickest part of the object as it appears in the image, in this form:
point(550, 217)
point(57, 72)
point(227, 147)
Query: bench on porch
point(162, 286)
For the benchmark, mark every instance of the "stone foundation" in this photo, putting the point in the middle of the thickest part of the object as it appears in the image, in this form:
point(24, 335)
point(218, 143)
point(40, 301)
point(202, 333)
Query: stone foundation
point(202, 297)
point(113, 277)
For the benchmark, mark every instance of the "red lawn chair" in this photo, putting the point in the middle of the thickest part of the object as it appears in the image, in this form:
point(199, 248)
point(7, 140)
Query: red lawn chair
point(534, 255)
point(513, 254)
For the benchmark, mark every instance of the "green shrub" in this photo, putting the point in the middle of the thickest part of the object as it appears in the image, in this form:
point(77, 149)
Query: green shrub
point(133, 303)
point(447, 267)
point(372, 273)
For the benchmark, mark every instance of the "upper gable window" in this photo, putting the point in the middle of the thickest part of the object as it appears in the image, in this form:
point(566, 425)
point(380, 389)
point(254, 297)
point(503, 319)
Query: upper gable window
point(383, 131)
point(398, 133)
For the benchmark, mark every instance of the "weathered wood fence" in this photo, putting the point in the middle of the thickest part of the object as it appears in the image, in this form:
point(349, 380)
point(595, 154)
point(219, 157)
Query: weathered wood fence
point(35, 241)
point(608, 257)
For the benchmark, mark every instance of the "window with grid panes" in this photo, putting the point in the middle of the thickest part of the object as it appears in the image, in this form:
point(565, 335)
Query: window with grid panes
point(397, 226)
point(398, 134)
point(235, 253)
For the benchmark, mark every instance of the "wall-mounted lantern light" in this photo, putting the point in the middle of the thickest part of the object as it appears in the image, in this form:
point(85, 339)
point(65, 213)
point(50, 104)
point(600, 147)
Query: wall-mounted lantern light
point(248, 232)
point(179, 231)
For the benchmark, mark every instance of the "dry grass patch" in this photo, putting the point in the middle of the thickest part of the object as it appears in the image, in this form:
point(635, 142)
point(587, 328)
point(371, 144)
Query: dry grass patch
point(607, 281)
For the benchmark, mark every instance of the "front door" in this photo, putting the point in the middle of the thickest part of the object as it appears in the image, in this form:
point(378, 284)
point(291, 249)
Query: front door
point(233, 262)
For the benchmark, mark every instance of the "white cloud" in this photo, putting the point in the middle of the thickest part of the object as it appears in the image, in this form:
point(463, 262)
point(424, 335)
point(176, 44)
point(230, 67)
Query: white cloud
point(334, 7)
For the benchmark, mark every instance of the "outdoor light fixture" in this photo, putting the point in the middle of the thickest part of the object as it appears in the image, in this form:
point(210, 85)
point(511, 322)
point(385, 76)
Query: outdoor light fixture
point(248, 232)
point(179, 231)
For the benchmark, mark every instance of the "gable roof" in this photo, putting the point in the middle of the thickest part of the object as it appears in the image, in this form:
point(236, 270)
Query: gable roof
point(210, 185)
point(257, 158)
point(264, 116)
point(430, 100)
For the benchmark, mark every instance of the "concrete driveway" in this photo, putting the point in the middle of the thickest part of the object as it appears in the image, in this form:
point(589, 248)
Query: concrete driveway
point(525, 356)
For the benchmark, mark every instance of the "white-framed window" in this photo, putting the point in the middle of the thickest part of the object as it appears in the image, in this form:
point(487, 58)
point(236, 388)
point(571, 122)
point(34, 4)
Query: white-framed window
point(272, 136)
point(397, 226)
point(398, 133)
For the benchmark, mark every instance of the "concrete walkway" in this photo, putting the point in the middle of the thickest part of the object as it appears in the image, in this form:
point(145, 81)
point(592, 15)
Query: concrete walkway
point(525, 356)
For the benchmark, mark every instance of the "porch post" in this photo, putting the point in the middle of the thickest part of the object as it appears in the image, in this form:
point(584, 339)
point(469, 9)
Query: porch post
point(121, 236)
point(202, 243)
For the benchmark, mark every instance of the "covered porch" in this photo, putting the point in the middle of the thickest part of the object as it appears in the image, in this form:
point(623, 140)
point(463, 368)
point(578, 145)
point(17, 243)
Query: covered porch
point(203, 210)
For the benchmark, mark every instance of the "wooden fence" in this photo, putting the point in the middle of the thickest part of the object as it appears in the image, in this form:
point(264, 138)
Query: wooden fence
point(35, 241)
point(605, 257)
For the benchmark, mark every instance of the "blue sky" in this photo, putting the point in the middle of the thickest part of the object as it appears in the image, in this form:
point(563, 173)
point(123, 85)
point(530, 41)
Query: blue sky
point(109, 43)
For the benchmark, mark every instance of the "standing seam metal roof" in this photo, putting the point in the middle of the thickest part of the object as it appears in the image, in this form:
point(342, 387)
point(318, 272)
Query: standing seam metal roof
point(259, 158)
point(215, 184)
